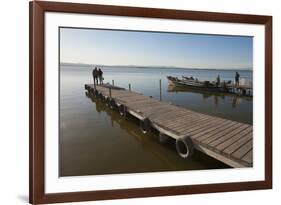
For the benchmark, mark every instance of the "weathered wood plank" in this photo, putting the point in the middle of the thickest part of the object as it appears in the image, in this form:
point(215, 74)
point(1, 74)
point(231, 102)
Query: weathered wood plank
point(200, 126)
point(185, 120)
point(167, 118)
point(235, 146)
point(248, 157)
point(196, 123)
point(228, 125)
point(218, 131)
point(141, 103)
point(149, 109)
point(131, 103)
point(233, 139)
point(212, 129)
point(184, 124)
point(172, 116)
point(227, 136)
point(172, 111)
point(129, 99)
point(188, 124)
point(170, 119)
point(242, 151)
point(220, 134)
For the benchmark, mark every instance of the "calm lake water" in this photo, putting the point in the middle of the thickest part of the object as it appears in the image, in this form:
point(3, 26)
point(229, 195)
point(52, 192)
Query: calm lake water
point(95, 140)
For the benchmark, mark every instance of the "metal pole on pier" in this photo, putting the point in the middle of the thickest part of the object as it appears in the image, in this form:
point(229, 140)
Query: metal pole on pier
point(160, 89)
point(112, 82)
point(129, 86)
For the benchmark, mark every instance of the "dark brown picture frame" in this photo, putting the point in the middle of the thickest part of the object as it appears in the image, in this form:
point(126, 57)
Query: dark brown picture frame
point(37, 193)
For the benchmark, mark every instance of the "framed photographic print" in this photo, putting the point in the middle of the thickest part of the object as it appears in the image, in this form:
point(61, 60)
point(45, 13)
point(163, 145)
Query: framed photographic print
point(140, 102)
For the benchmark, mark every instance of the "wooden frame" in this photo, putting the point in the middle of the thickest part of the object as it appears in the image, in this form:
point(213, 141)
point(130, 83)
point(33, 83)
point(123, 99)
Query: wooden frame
point(37, 95)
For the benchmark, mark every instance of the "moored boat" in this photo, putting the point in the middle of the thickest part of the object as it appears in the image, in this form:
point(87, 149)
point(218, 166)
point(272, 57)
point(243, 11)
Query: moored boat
point(225, 86)
point(190, 82)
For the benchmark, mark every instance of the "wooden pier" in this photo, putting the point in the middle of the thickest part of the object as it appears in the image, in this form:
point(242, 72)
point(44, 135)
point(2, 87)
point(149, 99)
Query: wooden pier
point(225, 140)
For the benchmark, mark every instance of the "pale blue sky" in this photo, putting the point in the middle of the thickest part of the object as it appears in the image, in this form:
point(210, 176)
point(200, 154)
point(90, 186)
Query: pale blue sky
point(109, 47)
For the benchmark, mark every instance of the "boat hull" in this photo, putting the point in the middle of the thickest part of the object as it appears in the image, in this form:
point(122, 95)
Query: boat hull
point(209, 87)
point(183, 84)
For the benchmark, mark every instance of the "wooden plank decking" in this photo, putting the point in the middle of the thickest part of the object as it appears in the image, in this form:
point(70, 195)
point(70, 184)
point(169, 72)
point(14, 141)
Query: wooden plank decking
point(226, 140)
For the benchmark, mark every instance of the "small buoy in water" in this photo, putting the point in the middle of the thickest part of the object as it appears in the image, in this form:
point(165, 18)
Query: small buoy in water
point(184, 147)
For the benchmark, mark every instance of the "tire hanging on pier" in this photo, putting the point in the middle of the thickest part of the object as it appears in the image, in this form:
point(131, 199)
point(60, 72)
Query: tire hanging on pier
point(145, 125)
point(184, 147)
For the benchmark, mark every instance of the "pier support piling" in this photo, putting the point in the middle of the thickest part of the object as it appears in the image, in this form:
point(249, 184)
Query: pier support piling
point(145, 125)
point(122, 110)
point(163, 138)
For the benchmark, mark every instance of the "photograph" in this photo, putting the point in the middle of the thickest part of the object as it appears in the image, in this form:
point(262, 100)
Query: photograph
point(133, 101)
point(129, 102)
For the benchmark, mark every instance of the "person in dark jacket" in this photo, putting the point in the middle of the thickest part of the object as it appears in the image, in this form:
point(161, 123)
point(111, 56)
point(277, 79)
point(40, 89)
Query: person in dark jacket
point(95, 75)
point(218, 81)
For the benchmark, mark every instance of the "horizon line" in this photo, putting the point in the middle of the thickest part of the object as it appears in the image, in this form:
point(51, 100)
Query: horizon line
point(158, 66)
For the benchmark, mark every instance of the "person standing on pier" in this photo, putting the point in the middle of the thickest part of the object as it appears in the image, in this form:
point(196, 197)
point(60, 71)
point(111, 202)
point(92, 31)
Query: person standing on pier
point(218, 81)
point(100, 73)
point(237, 76)
point(95, 75)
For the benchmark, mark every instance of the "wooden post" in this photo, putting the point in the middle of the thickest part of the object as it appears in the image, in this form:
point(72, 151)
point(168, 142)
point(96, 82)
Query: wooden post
point(129, 86)
point(160, 89)
point(112, 82)
point(110, 92)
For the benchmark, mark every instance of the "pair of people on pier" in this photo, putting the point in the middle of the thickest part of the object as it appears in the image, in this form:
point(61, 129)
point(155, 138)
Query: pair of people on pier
point(98, 76)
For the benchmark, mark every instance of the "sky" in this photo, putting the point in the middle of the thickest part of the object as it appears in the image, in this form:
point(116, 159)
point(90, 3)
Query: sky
point(108, 47)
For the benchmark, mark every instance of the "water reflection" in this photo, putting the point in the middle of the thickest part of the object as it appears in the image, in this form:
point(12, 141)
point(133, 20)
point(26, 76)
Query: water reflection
point(164, 153)
point(217, 97)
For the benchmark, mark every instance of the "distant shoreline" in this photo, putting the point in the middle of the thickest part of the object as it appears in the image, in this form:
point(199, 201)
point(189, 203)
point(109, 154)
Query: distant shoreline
point(147, 67)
